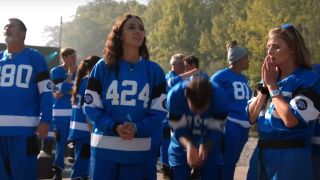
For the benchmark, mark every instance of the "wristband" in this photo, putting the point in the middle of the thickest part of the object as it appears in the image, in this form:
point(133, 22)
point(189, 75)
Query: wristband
point(274, 93)
point(262, 89)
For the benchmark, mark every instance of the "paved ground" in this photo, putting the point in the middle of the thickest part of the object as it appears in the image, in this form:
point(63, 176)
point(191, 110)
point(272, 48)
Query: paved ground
point(240, 173)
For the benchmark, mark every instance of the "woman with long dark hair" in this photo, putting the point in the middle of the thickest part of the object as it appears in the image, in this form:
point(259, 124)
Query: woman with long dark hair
point(124, 100)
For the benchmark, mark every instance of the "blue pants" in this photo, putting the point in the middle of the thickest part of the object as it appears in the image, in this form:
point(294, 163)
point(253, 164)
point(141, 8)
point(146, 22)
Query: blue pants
point(61, 127)
point(80, 168)
point(165, 142)
point(208, 171)
point(101, 169)
point(235, 138)
point(164, 157)
point(150, 169)
point(18, 158)
point(280, 164)
point(316, 161)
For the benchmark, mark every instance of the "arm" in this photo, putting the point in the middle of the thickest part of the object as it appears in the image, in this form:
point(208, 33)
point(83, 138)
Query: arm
point(45, 93)
point(270, 73)
point(255, 106)
point(283, 108)
point(62, 87)
point(174, 80)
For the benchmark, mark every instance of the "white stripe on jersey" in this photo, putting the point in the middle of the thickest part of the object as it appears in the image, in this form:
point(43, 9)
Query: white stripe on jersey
point(242, 123)
point(305, 107)
point(117, 143)
point(45, 86)
point(61, 112)
point(315, 140)
point(178, 124)
point(58, 86)
point(79, 126)
point(51, 134)
point(214, 124)
point(21, 121)
point(157, 103)
point(96, 99)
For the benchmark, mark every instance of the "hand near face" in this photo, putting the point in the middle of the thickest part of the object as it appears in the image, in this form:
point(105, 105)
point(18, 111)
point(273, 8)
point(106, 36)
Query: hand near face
point(270, 72)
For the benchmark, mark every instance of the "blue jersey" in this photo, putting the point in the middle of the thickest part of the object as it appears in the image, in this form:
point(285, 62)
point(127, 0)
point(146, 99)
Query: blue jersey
point(136, 92)
point(238, 90)
point(302, 105)
point(25, 92)
point(316, 137)
point(78, 124)
point(176, 79)
point(169, 77)
point(200, 129)
point(62, 106)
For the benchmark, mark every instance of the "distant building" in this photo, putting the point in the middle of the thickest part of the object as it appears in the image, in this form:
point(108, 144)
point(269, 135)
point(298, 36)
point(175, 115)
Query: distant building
point(52, 54)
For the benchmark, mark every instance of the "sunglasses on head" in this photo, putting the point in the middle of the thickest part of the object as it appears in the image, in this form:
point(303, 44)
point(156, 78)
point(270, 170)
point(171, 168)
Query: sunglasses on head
point(286, 26)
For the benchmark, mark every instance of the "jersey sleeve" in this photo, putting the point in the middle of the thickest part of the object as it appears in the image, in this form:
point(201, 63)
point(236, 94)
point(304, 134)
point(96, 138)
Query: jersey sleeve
point(45, 88)
point(177, 118)
point(93, 105)
point(58, 78)
point(157, 111)
point(173, 81)
point(305, 104)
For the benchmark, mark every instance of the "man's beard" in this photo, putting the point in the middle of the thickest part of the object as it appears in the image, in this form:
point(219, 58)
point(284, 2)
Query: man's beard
point(10, 39)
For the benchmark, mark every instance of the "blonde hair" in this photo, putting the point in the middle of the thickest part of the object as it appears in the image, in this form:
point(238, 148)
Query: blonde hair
point(295, 42)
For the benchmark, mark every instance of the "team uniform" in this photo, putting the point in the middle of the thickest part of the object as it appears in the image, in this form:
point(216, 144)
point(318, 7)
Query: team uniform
point(135, 93)
point(80, 135)
point(26, 101)
point(62, 112)
point(284, 153)
point(316, 142)
point(165, 125)
point(200, 129)
point(237, 125)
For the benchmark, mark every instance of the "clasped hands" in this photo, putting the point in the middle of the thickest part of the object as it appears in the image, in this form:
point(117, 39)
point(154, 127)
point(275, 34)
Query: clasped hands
point(127, 130)
point(196, 157)
point(269, 72)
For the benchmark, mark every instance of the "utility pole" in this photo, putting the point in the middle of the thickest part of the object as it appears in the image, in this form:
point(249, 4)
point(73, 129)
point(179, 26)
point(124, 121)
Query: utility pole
point(60, 34)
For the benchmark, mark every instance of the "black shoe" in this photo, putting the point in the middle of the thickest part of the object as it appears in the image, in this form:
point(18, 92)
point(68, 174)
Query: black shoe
point(195, 174)
point(166, 171)
point(57, 173)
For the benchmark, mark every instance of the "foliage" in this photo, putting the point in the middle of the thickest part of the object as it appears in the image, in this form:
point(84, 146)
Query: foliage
point(199, 27)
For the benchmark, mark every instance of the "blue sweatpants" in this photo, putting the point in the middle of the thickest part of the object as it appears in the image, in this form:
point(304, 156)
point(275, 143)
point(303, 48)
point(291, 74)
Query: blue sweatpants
point(280, 164)
point(150, 169)
point(208, 171)
point(80, 168)
point(101, 169)
point(18, 158)
point(235, 138)
point(316, 161)
point(61, 127)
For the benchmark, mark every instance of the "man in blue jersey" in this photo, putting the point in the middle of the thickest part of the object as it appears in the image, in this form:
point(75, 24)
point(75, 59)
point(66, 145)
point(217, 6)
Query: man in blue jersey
point(177, 68)
point(62, 77)
point(191, 64)
point(197, 110)
point(25, 106)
